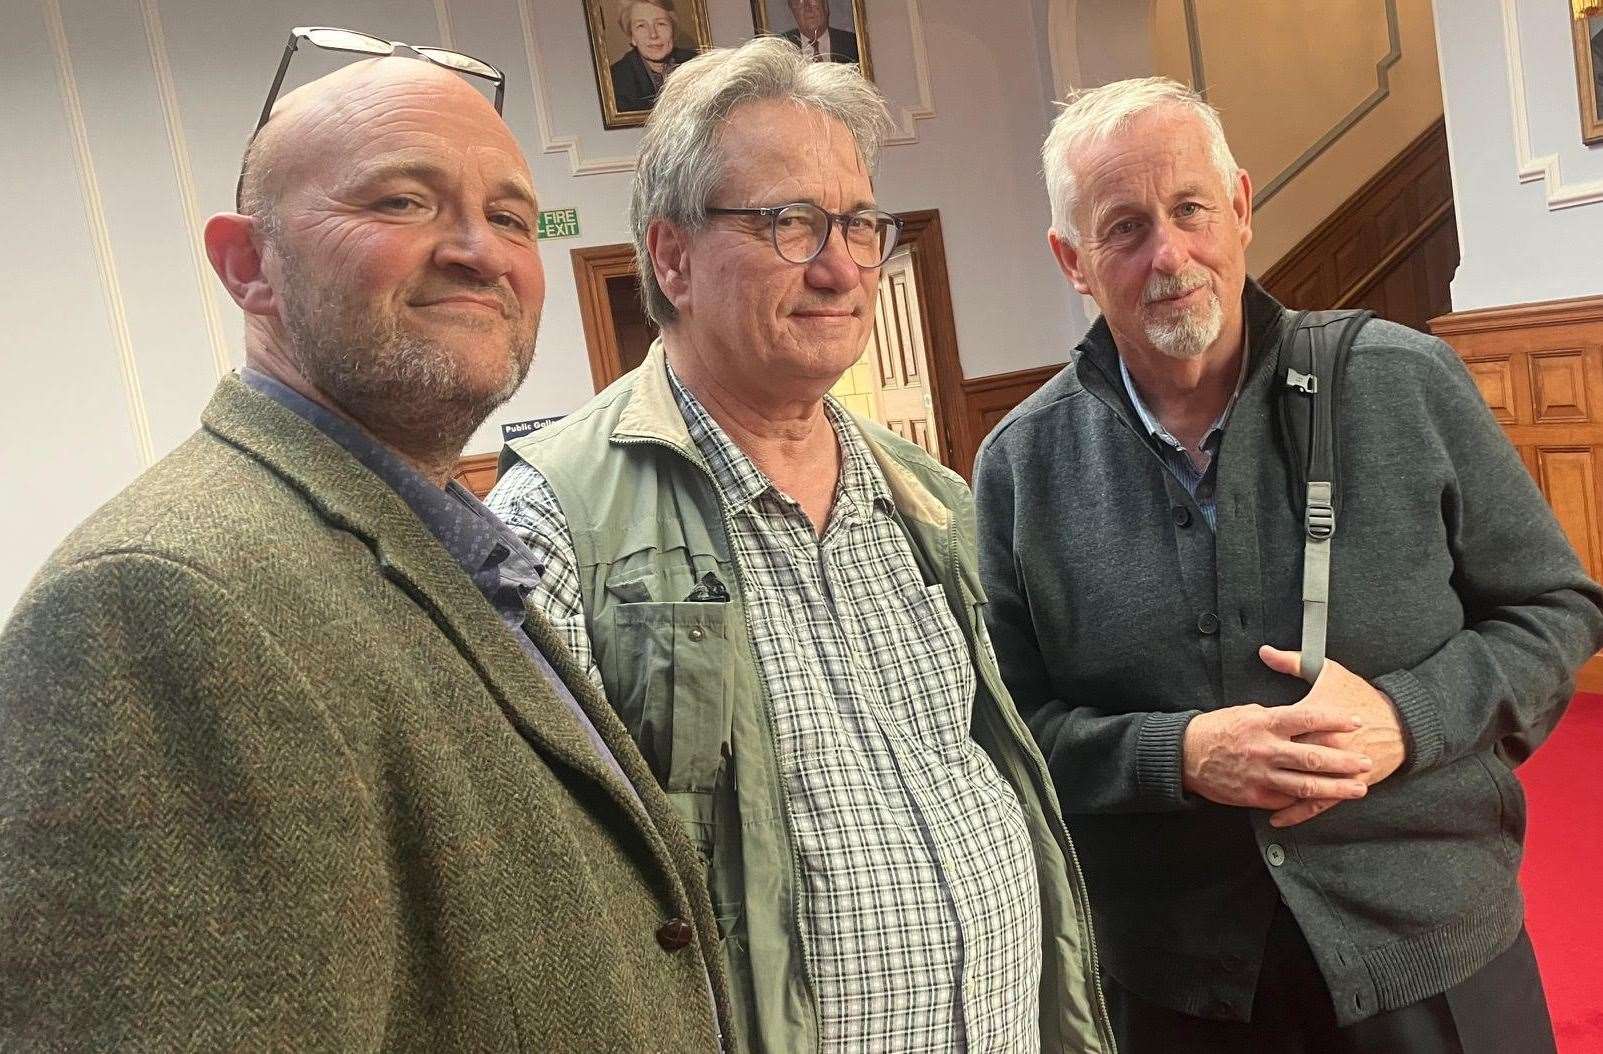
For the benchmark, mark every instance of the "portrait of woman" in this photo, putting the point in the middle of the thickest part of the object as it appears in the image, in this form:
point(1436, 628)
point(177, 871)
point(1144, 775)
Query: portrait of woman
point(636, 44)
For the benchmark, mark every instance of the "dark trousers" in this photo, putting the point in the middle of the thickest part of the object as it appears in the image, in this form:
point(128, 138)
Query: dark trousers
point(1498, 1009)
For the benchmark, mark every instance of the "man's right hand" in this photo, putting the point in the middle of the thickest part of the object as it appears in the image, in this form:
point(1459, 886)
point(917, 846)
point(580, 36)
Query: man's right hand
point(1249, 756)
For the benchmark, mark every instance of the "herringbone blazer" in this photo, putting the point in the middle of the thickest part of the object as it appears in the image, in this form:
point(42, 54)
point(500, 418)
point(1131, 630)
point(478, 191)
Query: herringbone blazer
point(274, 776)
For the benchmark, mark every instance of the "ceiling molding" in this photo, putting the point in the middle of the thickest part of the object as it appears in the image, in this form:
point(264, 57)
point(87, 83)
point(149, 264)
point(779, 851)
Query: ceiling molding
point(1546, 168)
point(905, 133)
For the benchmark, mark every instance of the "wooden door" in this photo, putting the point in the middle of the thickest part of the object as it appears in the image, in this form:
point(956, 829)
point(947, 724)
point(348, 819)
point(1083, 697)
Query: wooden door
point(1540, 369)
point(900, 374)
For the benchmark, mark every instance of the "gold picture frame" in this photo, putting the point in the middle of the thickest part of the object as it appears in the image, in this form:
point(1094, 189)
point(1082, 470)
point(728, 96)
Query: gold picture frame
point(1589, 75)
point(778, 17)
point(624, 73)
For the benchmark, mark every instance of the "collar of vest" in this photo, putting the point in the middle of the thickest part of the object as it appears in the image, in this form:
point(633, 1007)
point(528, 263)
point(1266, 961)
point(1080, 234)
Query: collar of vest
point(653, 413)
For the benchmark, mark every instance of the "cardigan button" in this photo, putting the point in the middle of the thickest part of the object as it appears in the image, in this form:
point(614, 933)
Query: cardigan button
point(1182, 516)
point(675, 934)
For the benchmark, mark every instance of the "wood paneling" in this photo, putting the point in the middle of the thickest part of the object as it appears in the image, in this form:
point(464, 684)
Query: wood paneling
point(1392, 247)
point(1540, 367)
point(476, 472)
point(988, 399)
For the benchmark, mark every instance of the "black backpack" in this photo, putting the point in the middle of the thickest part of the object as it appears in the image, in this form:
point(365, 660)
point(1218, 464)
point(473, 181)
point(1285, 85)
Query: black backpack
point(1312, 355)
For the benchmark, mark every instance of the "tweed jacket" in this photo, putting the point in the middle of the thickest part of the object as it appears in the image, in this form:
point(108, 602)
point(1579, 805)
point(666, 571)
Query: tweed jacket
point(275, 776)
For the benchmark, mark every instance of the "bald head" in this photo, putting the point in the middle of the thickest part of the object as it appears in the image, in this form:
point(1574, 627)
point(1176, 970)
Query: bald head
point(387, 262)
point(354, 101)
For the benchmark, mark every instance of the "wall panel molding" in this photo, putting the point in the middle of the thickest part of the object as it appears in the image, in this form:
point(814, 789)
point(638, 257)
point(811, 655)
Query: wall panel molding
point(99, 233)
point(183, 175)
point(1559, 195)
point(1391, 246)
point(442, 20)
point(1382, 89)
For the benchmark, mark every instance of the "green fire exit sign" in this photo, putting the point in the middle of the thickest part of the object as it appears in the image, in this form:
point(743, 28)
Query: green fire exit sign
point(559, 223)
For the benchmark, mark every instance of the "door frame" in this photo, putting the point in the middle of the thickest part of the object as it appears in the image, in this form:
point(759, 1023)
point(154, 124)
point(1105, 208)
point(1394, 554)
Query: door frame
point(921, 233)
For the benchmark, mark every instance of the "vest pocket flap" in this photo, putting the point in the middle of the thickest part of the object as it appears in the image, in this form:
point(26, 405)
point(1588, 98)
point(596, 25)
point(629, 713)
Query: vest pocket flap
point(633, 590)
point(671, 663)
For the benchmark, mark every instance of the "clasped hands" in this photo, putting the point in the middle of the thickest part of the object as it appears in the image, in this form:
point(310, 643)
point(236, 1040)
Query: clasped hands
point(1331, 746)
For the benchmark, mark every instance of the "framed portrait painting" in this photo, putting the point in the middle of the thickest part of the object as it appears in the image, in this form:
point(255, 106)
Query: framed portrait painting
point(635, 45)
point(1589, 74)
point(826, 30)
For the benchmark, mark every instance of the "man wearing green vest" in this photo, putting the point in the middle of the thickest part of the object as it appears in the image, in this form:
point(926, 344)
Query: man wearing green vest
point(286, 763)
point(782, 603)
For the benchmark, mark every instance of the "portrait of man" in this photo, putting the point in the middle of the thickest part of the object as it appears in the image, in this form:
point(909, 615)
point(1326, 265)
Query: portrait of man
point(825, 31)
point(636, 44)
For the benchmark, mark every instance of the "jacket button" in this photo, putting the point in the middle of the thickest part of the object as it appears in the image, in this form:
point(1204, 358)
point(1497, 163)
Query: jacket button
point(696, 633)
point(675, 934)
point(1182, 516)
point(1207, 623)
point(1275, 854)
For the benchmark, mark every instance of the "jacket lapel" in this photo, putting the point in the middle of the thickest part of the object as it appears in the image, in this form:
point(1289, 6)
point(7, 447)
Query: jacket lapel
point(351, 498)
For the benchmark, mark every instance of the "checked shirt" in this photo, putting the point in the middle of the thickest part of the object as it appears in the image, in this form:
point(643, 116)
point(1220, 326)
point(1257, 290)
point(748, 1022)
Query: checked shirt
point(920, 909)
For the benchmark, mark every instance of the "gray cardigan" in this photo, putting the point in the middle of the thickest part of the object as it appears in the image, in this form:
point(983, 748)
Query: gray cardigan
point(1117, 617)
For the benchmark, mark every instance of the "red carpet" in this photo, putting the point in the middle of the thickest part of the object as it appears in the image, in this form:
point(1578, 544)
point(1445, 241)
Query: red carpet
point(1563, 873)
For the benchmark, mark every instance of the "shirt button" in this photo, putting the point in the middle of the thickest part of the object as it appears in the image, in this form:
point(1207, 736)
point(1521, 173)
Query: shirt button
point(1182, 516)
point(696, 633)
point(1275, 854)
point(675, 934)
point(1207, 623)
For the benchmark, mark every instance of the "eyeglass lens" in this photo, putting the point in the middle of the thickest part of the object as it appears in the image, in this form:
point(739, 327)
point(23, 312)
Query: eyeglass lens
point(349, 40)
point(458, 61)
point(801, 230)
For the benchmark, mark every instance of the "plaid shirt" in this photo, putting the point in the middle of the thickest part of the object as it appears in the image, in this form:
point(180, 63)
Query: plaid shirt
point(920, 909)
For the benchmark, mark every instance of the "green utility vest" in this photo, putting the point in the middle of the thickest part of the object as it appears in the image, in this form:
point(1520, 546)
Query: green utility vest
point(647, 525)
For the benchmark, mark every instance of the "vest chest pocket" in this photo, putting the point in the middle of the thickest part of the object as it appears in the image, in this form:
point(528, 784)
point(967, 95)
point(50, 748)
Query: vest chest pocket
point(667, 675)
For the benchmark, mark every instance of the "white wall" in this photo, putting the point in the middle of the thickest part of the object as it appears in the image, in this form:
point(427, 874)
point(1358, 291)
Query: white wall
point(1529, 194)
point(123, 122)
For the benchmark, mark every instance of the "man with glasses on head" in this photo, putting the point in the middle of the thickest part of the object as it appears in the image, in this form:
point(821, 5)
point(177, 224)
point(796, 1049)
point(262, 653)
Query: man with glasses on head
point(286, 763)
point(781, 601)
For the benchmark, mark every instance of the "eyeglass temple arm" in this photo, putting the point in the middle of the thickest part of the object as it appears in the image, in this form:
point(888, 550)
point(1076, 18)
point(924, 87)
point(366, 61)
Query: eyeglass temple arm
point(278, 81)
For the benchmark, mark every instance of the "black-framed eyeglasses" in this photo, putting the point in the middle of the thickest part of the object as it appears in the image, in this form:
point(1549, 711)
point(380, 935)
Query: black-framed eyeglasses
point(801, 230)
point(331, 38)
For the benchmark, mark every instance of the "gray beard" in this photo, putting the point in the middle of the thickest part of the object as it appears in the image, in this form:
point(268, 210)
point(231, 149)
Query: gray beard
point(401, 386)
point(1189, 333)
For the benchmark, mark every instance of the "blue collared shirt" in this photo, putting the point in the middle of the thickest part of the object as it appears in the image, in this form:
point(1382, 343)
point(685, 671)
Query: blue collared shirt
point(1198, 479)
point(495, 558)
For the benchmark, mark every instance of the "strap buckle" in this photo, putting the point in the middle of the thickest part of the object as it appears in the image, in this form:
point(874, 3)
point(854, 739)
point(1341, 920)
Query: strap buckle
point(1319, 519)
point(1306, 383)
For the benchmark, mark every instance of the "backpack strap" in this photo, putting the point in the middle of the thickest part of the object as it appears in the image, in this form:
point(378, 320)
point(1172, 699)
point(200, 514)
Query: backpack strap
point(1313, 354)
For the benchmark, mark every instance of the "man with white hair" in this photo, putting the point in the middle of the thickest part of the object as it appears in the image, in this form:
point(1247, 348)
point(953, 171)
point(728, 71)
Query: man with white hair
point(1273, 868)
point(782, 602)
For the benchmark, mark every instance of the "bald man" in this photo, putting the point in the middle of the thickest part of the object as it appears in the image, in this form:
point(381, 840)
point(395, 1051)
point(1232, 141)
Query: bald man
point(284, 761)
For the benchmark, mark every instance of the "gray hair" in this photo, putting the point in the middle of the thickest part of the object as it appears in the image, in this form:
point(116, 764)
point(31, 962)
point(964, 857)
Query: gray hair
point(628, 6)
point(1094, 114)
point(681, 166)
